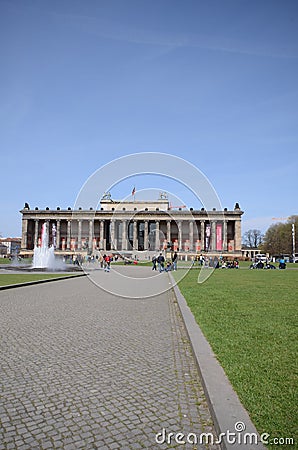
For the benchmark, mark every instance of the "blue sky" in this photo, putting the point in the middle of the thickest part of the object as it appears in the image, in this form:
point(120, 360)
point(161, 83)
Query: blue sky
point(85, 82)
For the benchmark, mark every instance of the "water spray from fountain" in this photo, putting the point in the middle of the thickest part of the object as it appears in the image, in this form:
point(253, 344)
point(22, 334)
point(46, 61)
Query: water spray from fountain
point(44, 256)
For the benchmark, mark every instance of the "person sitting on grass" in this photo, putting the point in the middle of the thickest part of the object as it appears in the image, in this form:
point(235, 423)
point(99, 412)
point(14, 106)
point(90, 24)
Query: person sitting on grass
point(282, 263)
point(236, 264)
point(168, 267)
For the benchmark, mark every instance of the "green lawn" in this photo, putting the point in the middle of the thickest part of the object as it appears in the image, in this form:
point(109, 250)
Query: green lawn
point(12, 278)
point(9, 261)
point(250, 319)
point(5, 261)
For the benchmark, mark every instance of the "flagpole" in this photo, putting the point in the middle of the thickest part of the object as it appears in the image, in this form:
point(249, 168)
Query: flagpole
point(293, 240)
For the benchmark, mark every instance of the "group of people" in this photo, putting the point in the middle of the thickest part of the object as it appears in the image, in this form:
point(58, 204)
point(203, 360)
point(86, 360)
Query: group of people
point(159, 263)
point(217, 263)
point(208, 261)
point(230, 264)
point(104, 261)
point(261, 265)
point(267, 264)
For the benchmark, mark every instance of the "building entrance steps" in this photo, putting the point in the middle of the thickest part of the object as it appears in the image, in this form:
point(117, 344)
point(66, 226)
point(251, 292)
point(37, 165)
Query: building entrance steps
point(82, 368)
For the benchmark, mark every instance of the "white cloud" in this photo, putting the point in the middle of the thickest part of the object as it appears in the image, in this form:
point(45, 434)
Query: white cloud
point(114, 30)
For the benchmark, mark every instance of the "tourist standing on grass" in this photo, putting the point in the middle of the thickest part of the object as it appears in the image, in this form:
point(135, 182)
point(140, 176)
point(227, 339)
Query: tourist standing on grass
point(174, 261)
point(161, 262)
point(216, 262)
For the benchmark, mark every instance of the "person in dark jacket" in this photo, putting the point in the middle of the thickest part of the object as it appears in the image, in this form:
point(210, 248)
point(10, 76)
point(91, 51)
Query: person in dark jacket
point(161, 262)
point(174, 261)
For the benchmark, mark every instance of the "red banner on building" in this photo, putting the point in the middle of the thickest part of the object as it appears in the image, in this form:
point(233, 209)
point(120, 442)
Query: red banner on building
point(207, 236)
point(219, 236)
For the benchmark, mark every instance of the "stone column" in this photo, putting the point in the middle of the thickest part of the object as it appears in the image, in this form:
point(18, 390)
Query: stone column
point(79, 234)
point(68, 235)
point(146, 228)
point(169, 239)
point(90, 239)
point(124, 234)
point(225, 236)
point(202, 235)
point(237, 237)
point(191, 235)
point(58, 234)
point(113, 243)
point(135, 235)
point(157, 241)
point(47, 222)
point(36, 233)
point(101, 235)
point(24, 233)
point(180, 236)
point(213, 235)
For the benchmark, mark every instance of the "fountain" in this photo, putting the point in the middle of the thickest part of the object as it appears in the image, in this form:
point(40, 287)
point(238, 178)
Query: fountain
point(44, 256)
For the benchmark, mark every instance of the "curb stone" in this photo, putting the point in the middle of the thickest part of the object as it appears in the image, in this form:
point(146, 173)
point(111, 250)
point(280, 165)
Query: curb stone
point(47, 280)
point(225, 407)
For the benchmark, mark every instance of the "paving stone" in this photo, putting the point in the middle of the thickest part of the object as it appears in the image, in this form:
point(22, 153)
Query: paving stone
point(114, 446)
point(83, 369)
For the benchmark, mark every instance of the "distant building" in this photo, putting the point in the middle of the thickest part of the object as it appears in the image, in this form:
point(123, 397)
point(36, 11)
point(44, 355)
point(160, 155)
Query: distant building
point(249, 252)
point(3, 250)
point(10, 246)
point(134, 226)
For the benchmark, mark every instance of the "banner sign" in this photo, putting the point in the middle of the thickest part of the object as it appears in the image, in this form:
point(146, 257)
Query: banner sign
point(208, 235)
point(219, 236)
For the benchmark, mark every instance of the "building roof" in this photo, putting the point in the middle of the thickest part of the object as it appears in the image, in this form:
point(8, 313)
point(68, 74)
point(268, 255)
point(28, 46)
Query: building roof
point(9, 239)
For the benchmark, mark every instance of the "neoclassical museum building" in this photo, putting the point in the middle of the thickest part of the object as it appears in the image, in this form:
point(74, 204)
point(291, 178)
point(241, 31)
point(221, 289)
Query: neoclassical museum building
point(133, 227)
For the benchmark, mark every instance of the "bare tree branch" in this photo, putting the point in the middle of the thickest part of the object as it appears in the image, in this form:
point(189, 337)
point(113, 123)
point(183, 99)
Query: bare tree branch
point(252, 238)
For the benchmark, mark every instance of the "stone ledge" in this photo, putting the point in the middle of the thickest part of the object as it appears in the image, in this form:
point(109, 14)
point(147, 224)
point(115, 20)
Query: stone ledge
point(29, 283)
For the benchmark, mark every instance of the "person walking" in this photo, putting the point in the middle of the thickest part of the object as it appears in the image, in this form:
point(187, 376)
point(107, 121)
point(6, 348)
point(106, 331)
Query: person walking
point(174, 261)
point(108, 263)
point(154, 262)
point(161, 262)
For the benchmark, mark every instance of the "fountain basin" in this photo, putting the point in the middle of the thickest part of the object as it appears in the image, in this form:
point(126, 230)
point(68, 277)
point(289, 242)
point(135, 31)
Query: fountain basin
point(29, 268)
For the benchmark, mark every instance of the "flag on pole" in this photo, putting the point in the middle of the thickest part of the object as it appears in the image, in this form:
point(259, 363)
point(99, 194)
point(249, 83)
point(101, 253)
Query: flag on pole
point(133, 191)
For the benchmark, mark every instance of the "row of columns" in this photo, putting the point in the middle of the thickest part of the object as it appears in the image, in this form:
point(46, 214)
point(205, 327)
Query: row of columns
point(124, 245)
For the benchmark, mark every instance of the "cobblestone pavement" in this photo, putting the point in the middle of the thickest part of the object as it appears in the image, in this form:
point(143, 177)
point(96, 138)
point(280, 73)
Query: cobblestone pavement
point(83, 369)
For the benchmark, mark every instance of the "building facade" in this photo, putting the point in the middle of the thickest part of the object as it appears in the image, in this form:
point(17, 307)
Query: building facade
point(133, 226)
point(10, 246)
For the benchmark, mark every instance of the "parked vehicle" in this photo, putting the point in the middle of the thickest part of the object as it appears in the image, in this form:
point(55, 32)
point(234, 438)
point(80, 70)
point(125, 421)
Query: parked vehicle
point(261, 257)
point(294, 258)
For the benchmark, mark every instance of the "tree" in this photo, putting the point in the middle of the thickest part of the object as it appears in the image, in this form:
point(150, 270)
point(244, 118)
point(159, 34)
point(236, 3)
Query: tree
point(278, 238)
point(252, 238)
